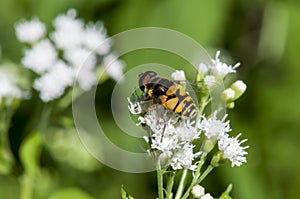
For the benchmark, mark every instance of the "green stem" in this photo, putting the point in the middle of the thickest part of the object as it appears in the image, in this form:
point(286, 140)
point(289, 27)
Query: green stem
point(205, 173)
point(196, 176)
point(33, 144)
point(26, 187)
point(181, 184)
point(170, 183)
point(160, 181)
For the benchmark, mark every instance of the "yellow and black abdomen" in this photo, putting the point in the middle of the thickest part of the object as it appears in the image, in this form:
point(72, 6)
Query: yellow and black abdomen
point(180, 102)
point(169, 94)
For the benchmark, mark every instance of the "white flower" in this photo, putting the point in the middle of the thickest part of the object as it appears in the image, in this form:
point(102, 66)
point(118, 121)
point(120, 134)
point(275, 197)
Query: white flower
point(30, 31)
point(214, 128)
point(41, 57)
point(206, 196)
point(178, 75)
point(134, 108)
point(239, 87)
point(84, 62)
point(8, 87)
point(198, 191)
point(183, 157)
point(221, 69)
point(202, 68)
point(228, 94)
point(79, 57)
point(210, 81)
point(113, 66)
point(95, 38)
point(171, 138)
point(233, 150)
point(53, 83)
point(69, 31)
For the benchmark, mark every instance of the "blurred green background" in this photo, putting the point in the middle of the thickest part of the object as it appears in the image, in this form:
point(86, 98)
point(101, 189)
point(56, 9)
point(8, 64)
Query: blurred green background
point(262, 35)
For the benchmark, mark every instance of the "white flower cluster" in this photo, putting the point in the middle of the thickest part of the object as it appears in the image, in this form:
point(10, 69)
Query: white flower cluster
point(230, 146)
point(69, 54)
point(171, 138)
point(9, 88)
point(216, 71)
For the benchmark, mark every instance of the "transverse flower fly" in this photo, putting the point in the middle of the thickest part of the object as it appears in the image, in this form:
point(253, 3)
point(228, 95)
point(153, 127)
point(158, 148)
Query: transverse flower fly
point(167, 93)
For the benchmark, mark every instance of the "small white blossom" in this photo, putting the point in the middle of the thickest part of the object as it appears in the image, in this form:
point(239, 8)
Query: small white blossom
point(171, 138)
point(30, 31)
point(95, 39)
point(239, 87)
point(202, 68)
point(53, 83)
point(228, 94)
point(8, 87)
point(206, 196)
point(178, 75)
point(114, 67)
point(210, 81)
point(232, 149)
point(81, 57)
point(69, 31)
point(183, 157)
point(198, 191)
point(84, 62)
point(41, 57)
point(134, 108)
point(214, 128)
point(221, 69)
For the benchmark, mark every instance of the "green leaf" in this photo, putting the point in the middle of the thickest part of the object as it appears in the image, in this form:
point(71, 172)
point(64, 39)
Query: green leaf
point(70, 193)
point(125, 195)
point(225, 194)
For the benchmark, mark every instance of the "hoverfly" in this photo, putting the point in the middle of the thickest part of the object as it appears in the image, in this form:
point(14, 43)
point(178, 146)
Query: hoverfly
point(167, 93)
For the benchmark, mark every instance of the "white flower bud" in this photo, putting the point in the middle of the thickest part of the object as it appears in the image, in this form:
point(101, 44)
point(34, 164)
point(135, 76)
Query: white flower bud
point(207, 196)
point(239, 87)
point(202, 68)
point(228, 94)
point(198, 191)
point(210, 81)
point(178, 75)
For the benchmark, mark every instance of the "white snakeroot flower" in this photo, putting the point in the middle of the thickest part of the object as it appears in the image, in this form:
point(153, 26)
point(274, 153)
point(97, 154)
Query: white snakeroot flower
point(84, 62)
point(202, 68)
point(239, 87)
point(221, 69)
point(206, 196)
point(198, 191)
point(30, 31)
point(69, 31)
point(41, 57)
point(8, 87)
point(95, 39)
point(53, 83)
point(228, 94)
point(171, 138)
point(183, 158)
point(134, 108)
point(213, 127)
point(232, 149)
point(210, 81)
point(113, 66)
point(178, 75)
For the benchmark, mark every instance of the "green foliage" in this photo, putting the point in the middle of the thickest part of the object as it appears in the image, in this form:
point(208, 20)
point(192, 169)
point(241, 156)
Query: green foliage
point(70, 193)
point(124, 194)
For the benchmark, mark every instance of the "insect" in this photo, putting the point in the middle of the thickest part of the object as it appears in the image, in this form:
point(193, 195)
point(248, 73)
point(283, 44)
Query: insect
point(168, 93)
